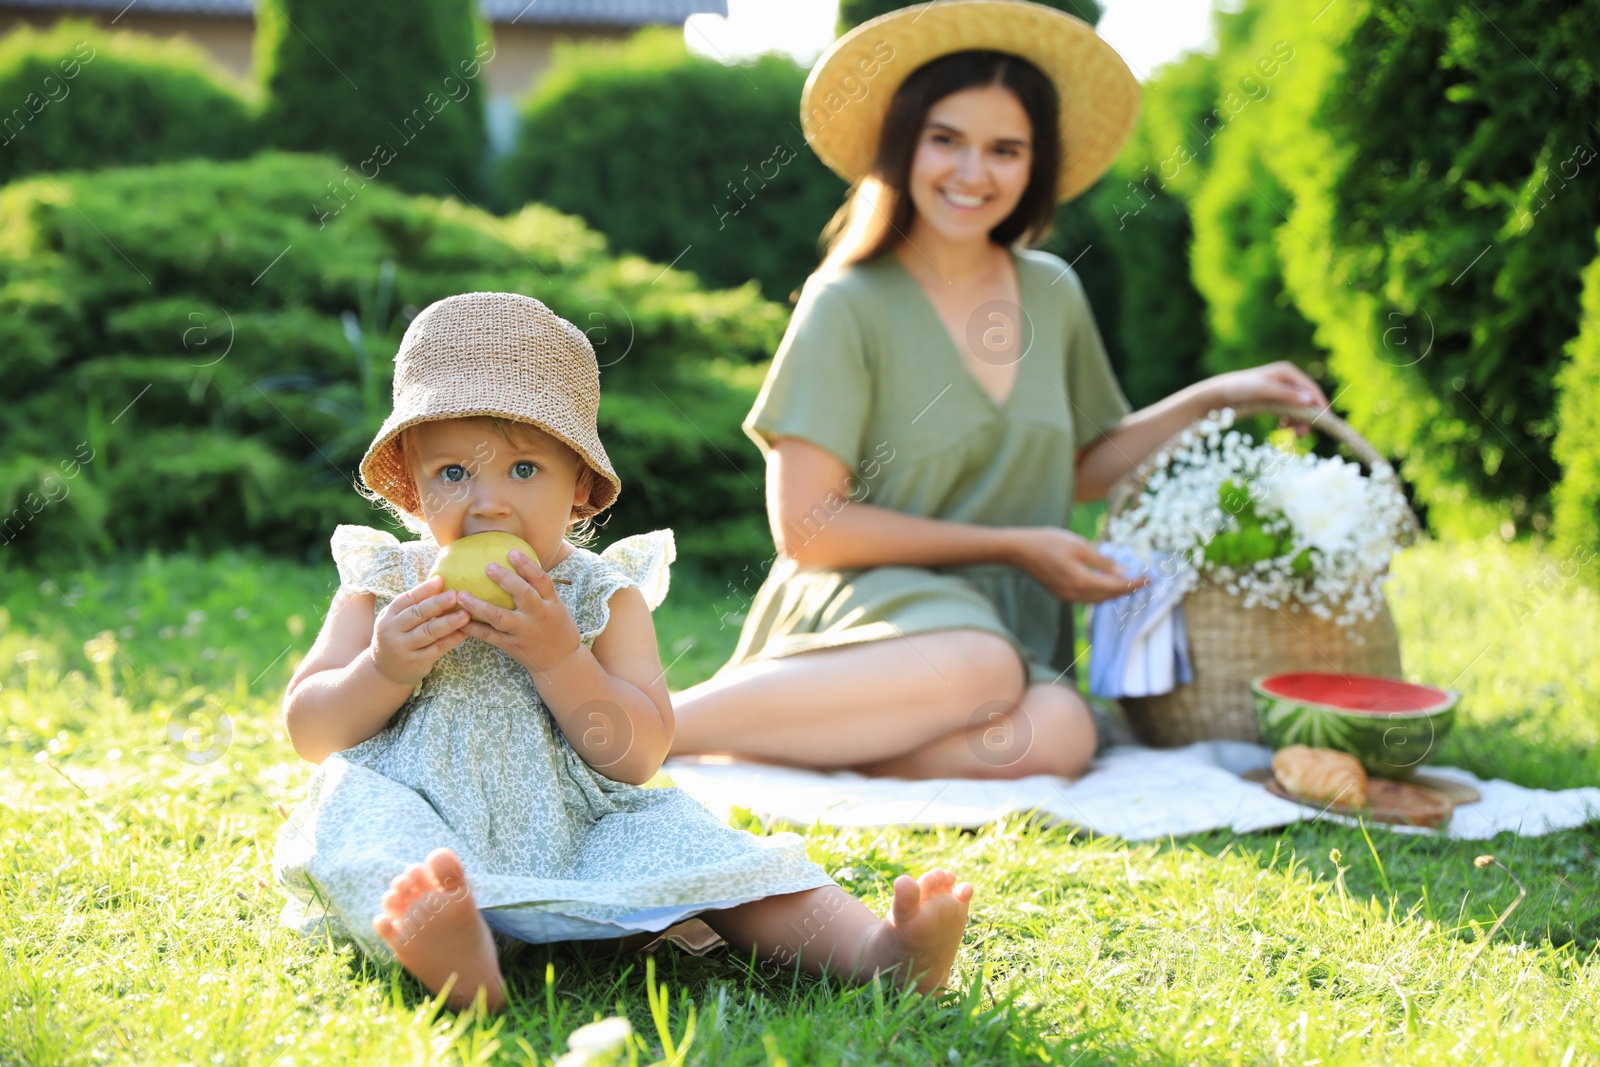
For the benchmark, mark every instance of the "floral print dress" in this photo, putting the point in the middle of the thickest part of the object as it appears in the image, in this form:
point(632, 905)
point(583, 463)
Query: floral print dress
point(473, 760)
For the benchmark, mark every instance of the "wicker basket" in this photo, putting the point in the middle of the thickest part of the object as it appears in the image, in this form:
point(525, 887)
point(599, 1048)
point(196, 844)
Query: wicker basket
point(1229, 644)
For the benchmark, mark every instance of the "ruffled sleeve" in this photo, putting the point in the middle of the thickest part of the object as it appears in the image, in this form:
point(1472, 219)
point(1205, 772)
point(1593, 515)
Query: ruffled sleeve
point(375, 561)
point(642, 560)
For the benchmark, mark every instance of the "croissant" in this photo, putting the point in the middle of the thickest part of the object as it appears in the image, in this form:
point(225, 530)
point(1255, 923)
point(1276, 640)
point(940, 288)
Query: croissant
point(1321, 774)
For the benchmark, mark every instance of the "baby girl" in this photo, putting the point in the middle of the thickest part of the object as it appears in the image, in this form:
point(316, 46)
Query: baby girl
point(480, 769)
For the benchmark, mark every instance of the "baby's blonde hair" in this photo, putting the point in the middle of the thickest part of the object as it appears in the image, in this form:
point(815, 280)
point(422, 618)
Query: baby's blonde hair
point(579, 531)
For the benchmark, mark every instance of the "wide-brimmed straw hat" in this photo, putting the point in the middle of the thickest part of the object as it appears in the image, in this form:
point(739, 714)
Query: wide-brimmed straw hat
point(492, 354)
point(847, 95)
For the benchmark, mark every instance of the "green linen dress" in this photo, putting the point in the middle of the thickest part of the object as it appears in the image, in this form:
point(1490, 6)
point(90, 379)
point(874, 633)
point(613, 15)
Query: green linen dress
point(474, 761)
point(868, 371)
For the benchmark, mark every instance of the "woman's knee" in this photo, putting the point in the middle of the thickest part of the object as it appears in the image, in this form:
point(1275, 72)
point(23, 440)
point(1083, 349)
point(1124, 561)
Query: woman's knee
point(980, 667)
point(1059, 732)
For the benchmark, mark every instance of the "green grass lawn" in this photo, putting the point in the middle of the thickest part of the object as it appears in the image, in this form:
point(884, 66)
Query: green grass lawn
point(145, 768)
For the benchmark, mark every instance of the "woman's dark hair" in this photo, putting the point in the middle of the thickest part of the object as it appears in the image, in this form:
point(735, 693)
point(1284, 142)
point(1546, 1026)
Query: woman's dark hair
point(879, 209)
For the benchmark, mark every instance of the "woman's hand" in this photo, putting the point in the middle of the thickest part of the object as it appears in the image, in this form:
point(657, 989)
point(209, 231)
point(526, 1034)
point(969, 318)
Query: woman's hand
point(417, 627)
point(539, 632)
point(1069, 566)
point(1273, 385)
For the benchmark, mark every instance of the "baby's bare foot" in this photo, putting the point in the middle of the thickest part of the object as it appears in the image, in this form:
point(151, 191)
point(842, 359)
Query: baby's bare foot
point(433, 925)
point(922, 930)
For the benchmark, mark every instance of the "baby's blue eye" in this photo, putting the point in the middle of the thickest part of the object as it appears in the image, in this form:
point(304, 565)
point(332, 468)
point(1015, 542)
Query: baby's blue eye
point(524, 469)
point(444, 472)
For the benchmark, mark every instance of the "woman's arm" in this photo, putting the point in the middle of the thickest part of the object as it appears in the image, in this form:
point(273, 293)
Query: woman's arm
point(340, 695)
point(1101, 464)
point(816, 522)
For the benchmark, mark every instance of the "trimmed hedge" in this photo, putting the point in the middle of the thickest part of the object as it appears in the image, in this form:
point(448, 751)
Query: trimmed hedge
point(1239, 208)
point(197, 356)
point(1444, 210)
point(1132, 231)
point(78, 97)
point(391, 89)
point(1148, 312)
point(674, 156)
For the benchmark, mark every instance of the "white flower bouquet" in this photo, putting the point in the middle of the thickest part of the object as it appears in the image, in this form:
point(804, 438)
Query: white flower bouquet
point(1272, 527)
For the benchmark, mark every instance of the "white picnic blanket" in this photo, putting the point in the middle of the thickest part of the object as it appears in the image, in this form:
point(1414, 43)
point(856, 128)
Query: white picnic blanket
point(1131, 792)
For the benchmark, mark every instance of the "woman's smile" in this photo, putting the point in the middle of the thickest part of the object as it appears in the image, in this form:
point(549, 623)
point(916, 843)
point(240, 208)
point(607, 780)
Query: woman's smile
point(962, 201)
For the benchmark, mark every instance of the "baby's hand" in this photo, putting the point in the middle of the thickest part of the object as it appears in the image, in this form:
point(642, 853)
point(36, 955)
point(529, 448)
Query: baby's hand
point(417, 627)
point(540, 631)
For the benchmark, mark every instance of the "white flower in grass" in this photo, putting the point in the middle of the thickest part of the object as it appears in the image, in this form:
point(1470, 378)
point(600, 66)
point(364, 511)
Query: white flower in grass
point(597, 1044)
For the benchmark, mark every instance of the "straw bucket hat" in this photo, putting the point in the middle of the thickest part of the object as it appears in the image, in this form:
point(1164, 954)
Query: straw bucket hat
point(847, 95)
point(488, 354)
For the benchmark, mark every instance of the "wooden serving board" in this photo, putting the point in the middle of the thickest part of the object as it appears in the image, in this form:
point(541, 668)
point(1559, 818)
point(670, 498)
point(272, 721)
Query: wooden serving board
point(1422, 801)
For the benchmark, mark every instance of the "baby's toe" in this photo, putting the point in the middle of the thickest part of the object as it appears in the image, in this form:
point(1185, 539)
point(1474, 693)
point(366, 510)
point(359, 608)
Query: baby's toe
point(411, 883)
point(907, 898)
point(446, 869)
point(396, 902)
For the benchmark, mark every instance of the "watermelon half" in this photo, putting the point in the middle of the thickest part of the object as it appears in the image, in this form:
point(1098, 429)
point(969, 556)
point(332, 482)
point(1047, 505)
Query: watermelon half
point(1391, 726)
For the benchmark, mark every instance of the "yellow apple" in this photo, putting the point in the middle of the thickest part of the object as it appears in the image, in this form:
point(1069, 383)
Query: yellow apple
point(461, 564)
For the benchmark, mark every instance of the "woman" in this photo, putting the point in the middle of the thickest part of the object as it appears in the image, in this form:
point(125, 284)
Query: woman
point(939, 401)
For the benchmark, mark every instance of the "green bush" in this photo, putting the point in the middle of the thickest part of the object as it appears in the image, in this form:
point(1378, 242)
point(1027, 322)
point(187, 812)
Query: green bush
point(1171, 147)
point(198, 354)
point(854, 12)
point(1137, 280)
point(1577, 445)
point(77, 97)
point(1132, 232)
point(1240, 206)
point(672, 155)
point(391, 89)
point(1442, 165)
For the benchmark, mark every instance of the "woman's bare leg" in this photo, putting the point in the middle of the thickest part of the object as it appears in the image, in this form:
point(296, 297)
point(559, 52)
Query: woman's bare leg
point(828, 931)
point(1050, 732)
point(842, 706)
